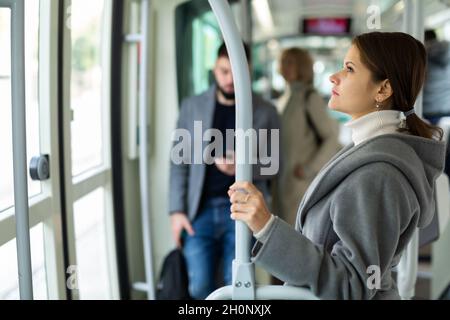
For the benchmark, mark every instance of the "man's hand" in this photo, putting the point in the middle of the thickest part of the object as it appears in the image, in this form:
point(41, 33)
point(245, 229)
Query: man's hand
point(226, 165)
point(179, 222)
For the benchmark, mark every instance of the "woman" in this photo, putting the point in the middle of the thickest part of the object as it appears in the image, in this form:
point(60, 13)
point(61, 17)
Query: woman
point(363, 207)
point(309, 136)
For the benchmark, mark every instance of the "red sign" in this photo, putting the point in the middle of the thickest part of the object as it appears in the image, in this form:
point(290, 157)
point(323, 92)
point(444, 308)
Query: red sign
point(327, 26)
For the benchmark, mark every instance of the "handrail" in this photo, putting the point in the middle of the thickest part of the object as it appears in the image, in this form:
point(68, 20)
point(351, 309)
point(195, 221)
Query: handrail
point(408, 265)
point(268, 293)
point(20, 146)
point(144, 151)
point(243, 270)
point(243, 283)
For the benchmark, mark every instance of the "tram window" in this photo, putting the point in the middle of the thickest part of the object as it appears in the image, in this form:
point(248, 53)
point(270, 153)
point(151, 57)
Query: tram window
point(198, 37)
point(89, 216)
point(205, 44)
point(6, 164)
point(87, 85)
point(9, 289)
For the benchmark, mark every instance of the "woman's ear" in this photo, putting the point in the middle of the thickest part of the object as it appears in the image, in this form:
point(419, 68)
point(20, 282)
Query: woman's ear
point(385, 91)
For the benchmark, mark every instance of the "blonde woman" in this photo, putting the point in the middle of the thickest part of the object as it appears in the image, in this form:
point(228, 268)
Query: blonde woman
point(309, 136)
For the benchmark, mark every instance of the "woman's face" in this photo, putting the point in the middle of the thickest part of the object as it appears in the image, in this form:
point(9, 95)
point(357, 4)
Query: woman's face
point(354, 92)
point(288, 69)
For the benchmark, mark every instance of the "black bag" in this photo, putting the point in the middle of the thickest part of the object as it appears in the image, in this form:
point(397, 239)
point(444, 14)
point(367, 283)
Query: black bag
point(310, 121)
point(173, 282)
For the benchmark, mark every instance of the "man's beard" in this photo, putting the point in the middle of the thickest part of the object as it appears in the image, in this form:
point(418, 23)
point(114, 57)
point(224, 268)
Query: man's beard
point(228, 96)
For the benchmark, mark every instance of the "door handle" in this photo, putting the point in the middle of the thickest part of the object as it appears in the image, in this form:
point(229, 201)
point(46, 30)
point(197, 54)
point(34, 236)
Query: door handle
point(40, 168)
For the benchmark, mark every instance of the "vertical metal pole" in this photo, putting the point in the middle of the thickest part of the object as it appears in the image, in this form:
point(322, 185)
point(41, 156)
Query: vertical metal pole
point(20, 150)
point(419, 33)
point(243, 270)
point(143, 150)
point(413, 23)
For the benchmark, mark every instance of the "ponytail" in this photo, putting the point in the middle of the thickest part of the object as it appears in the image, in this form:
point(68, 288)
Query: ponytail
point(420, 128)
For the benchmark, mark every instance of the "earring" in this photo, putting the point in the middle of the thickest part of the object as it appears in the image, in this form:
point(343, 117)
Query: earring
point(378, 106)
point(378, 113)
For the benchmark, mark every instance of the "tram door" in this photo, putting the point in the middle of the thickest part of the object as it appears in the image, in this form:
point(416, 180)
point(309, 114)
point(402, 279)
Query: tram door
point(66, 62)
point(86, 136)
point(38, 88)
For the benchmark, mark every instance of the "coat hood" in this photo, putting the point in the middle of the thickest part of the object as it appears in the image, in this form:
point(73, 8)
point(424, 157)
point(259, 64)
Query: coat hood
point(420, 160)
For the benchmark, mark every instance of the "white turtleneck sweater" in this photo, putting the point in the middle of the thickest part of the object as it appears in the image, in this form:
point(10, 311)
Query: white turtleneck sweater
point(367, 127)
point(374, 124)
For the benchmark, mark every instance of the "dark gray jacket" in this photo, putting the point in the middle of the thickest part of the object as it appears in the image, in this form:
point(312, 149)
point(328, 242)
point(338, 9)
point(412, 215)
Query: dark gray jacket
point(360, 211)
point(186, 180)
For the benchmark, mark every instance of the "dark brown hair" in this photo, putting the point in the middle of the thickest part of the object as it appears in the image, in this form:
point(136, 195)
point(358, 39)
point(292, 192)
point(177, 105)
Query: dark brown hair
point(402, 60)
point(223, 51)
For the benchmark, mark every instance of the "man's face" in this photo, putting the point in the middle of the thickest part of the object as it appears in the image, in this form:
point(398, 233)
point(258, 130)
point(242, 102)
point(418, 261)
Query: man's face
point(224, 77)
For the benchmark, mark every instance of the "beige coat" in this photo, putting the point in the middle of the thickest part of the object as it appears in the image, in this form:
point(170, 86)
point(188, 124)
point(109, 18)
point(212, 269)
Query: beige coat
point(299, 145)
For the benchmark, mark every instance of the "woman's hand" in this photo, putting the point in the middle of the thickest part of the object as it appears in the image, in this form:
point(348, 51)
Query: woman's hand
point(248, 205)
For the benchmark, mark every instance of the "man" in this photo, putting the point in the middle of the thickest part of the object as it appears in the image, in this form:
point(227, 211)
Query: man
point(199, 203)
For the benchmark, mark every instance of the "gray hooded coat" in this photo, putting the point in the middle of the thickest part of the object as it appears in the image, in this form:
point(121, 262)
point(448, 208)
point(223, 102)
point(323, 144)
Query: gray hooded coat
point(359, 212)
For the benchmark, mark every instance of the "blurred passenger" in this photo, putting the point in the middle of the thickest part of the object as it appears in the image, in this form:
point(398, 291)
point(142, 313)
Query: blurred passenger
point(309, 135)
point(363, 208)
point(436, 92)
point(199, 201)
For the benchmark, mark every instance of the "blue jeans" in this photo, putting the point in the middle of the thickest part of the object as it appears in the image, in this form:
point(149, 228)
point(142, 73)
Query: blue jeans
point(214, 240)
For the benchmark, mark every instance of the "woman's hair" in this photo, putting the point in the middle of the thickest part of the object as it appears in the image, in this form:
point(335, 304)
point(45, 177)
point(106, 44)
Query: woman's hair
point(303, 63)
point(402, 60)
